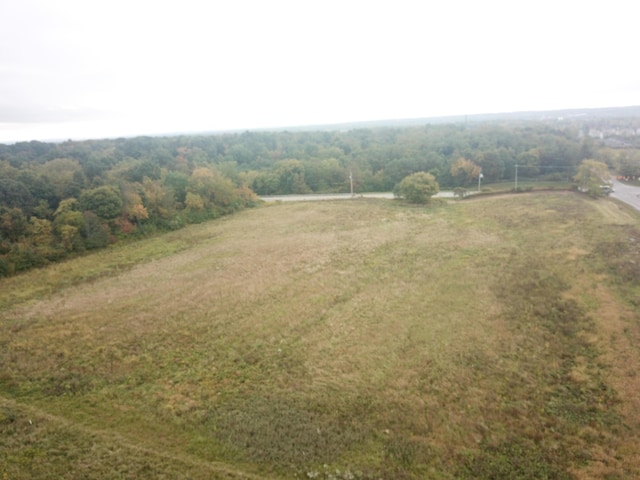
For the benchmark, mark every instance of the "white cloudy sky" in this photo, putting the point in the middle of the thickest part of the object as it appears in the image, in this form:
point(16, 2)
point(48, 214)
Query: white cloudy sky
point(96, 68)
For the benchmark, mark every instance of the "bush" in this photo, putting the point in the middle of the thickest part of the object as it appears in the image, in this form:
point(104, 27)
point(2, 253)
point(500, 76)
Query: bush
point(418, 187)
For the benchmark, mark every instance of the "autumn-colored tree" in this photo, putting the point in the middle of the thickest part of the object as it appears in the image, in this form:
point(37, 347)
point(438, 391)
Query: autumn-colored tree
point(246, 196)
point(41, 234)
point(157, 198)
point(194, 202)
point(171, 181)
point(132, 207)
point(202, 183)
point(212, 187)
point(464, 172)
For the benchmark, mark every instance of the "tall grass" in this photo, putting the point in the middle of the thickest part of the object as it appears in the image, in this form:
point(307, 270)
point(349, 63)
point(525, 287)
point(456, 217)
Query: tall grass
point(491, 338)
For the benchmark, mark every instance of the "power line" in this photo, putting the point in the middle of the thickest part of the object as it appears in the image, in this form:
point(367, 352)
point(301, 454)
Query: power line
point(541, 167)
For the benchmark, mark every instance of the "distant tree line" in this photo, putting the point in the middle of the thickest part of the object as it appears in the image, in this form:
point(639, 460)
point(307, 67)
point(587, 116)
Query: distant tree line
point(58, 199)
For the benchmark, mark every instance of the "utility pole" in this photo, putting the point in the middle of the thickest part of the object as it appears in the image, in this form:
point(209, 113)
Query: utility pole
point(351, 182)
point(516, 177)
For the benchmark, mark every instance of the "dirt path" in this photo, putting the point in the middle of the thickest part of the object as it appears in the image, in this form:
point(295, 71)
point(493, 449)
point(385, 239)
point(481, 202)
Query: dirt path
point(23, 416)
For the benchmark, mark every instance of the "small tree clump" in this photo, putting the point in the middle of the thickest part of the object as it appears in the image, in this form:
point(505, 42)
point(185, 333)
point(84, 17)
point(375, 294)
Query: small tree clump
point(418, 187)
point(592, 176)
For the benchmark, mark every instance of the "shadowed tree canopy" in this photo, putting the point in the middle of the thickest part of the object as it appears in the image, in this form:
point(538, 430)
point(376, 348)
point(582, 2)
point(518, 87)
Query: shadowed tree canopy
point(14, 193)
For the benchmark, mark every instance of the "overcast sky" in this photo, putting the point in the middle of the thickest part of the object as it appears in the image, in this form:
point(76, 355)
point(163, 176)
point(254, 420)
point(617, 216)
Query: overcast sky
point(93, 69)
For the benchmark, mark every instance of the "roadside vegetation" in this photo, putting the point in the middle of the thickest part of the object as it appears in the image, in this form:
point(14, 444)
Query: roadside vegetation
point(491, 338)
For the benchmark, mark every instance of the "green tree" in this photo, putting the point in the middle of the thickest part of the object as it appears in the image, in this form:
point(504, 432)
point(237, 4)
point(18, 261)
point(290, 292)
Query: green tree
point(264, 183)
point(41, 231)
point(629, 165)
point(104, 201)
point(591, 176)
point(67, 205)
point(13, 224)
point(291, 177)
point(67, 226)
point(95, 232)
point(418, 187)
point(178, 182)
point(326, 175)
point(141, 169)
point(65, 175)
point(529, 162)
point(14, 194)
point(492, 165)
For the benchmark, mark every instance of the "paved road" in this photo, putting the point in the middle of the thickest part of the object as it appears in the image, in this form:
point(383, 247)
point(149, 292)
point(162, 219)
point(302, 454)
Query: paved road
point(626, 193)
point(335, 196)
point(621, 191)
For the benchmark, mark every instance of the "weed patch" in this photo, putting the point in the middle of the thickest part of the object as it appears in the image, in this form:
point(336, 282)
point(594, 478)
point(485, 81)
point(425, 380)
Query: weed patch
point(620, 256)
point(516, 459)
point(289, 431)
point(560, 402)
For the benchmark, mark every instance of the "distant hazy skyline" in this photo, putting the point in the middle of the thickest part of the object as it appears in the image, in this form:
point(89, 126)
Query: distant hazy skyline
point(96, 69)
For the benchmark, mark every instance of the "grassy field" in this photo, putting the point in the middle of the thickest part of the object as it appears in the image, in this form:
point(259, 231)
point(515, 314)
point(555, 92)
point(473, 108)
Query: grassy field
point(491, 338)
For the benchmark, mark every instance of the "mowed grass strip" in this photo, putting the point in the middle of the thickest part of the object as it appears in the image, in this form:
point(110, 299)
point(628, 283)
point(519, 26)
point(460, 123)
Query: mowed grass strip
point(365, 339)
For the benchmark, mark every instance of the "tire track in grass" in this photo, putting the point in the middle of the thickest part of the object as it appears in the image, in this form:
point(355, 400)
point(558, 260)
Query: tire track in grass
point(16, 416)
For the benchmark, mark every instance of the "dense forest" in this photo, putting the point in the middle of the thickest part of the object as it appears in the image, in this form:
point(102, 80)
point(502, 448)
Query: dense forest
point(61, 199)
